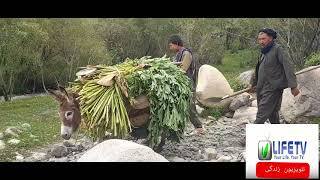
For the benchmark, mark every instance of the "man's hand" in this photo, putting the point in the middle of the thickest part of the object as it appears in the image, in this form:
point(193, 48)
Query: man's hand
point(295, 91)
point(252, 89)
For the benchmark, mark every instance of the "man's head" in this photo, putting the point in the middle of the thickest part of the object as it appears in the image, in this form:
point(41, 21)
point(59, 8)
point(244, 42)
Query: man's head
point(266, 36)
point(175, 43)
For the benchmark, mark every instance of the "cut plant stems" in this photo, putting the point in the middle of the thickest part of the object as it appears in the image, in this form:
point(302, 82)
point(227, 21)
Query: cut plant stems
point(166, 86)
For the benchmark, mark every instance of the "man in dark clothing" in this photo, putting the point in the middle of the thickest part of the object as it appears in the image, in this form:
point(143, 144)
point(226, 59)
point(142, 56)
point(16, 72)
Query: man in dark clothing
point(185, 60)
point(273, 73)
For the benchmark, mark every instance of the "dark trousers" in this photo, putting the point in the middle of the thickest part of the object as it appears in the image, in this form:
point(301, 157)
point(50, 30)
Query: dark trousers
point(269, 104)
point(193, 110)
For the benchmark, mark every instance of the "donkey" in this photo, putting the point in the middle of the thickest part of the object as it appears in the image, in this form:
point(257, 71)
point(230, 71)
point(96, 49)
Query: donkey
point(70, 116)
point(69, 111)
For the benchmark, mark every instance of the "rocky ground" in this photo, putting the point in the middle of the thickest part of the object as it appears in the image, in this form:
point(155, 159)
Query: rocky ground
point(224, 140)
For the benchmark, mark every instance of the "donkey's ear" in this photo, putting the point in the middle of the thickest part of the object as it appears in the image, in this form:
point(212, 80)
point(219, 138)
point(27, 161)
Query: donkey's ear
point(75, 95)
point(63, 90)
point(57, 95)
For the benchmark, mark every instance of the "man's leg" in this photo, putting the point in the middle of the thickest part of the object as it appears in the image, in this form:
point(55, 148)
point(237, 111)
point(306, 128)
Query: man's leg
point(268, 104)
point(275, 118)
point(193, 113)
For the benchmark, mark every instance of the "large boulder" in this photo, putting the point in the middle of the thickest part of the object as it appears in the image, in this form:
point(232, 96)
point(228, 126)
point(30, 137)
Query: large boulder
point(301, 108)
point(211, 86)
point(246, 77)
point(239, 101)
point(118, 150)
point(246, 114)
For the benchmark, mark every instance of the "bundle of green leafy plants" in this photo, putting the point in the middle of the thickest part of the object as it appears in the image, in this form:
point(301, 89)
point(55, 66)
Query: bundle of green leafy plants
point(102, 96)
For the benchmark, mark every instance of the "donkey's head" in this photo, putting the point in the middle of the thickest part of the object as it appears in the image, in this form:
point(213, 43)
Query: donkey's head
point(69, 111)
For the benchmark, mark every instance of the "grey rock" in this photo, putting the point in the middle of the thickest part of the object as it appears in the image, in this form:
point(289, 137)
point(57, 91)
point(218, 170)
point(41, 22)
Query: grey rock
point(239, 101)
point(224, 158)
point(178, 159)
point(2, 145)
point(229, 149)
point(63, 159)
point(302, 108)
point(242, 156)
point(59, 151)
point(246, 77)
point(52, 160)
point(26, 127)
point(242, 142)
point(248, 113)
point(80, 147)
point(210, 153)
point(225, 144)
point(229, 114)
point(38, 156)
point(199, 109)
point(209, 123)
point(254, 103)
point(242, 121)
point(76, 148)
point(19, 157)
point(1, 136)
point(14, 141)
point(12, 132)
point(118, 150)
point(86, 142)
point(68, 143)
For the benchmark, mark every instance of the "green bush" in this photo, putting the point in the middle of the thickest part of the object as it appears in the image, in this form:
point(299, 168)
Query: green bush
point(313, 60)
point(215, 112)
point(236, 85)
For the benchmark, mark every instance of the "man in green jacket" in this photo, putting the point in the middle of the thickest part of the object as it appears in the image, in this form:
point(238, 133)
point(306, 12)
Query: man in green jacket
point(274, 72)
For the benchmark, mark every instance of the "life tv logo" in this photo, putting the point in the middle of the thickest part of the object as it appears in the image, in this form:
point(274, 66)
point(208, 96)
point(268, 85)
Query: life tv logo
point(264, 150)
point(282, 151)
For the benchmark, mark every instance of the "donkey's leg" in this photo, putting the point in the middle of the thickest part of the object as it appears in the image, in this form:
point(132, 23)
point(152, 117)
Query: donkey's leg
point(159, 148)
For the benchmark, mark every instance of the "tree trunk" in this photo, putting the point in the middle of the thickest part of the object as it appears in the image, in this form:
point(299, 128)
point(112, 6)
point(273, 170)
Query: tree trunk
point(34, 86)
point(5, 94)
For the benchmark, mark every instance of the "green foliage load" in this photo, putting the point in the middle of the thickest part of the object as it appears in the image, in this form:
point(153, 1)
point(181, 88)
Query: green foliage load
point(166, 86)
